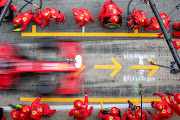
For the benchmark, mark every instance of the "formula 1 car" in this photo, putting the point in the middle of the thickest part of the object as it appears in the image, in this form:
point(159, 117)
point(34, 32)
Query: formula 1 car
point(13, 64)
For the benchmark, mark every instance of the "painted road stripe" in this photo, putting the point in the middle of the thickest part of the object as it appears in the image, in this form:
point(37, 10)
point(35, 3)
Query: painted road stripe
point(69, 107)
point(153, 68)
point(78, 34)
point(100, 100)
point(117, 67)
point(79, 70)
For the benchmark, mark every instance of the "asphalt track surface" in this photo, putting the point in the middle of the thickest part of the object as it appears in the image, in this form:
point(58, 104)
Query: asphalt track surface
point(94, 7)
point(128, 51)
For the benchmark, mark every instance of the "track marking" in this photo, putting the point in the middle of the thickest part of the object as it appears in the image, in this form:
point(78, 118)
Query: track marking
point(153, 67)
point(112, 100)
point(117, 67)
point(34, 29)
point(79, 70)
point(79, 34)
point(100, 100)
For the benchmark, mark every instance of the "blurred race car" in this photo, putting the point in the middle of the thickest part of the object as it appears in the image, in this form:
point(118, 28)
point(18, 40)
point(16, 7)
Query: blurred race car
point(12, 65)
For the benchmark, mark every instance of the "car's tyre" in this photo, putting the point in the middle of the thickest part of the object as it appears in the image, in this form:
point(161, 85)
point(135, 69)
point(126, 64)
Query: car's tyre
point(47, 45)
point(1, 113)
point(9, 15)
point(45, 89)
point(107, 23)
point(107, 111)
point(20, 53)
point(47, 84)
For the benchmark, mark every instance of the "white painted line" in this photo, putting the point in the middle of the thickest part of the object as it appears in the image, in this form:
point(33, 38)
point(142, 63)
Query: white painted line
point(83, 29)
point(6, 108)
point(69, 107)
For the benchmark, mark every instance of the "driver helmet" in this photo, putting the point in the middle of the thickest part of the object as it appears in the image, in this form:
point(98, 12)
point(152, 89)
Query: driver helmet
point(155, 26)
point(177, 97)
point(114, 19)
point(78, 104)
point(17, 21)
point(26, 109)
point(138, 113)
point(15, 114)
point(140, 20)
point(79, 17)
point(157, 105)
point(114, 111)
point(46, 14)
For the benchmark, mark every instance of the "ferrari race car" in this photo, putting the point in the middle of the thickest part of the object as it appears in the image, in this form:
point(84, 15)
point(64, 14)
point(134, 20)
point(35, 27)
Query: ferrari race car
point(13, 65)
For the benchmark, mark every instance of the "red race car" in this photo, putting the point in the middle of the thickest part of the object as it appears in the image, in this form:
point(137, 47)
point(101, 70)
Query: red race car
point(12, 65)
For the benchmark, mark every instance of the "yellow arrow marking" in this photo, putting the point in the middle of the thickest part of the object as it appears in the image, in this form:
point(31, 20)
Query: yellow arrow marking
point(153, 67)
point(39, 58)
point(90, 34)
point(79, 70)
point(117, 67)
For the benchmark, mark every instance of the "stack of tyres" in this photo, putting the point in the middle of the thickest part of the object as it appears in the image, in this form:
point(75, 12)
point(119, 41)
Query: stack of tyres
point(1, 113)
point(107, 111)
point(108, 24)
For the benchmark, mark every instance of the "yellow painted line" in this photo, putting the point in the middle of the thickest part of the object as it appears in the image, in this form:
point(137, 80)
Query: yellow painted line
point(113, 100)
point(153, 68)
point(136, 31)
point(78, 34)
point(117, 67)
point(34, 29)
point(101, 105)
point(79, 70)
point(137, 102)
